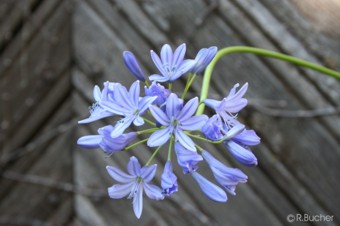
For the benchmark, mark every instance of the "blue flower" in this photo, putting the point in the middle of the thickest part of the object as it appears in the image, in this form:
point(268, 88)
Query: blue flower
point(132, 64)
point(187, 159)
point(127, 104)
point(171, 65)
point(211, 190)
point(169, 180)
point(215, 129)
point(157, 90)
point(96, 111)
point(239, 147)
point(133, 183)
point(176, 119)
point(230, 105)
point(225, 176)
point(203, 59)
point(105, 141)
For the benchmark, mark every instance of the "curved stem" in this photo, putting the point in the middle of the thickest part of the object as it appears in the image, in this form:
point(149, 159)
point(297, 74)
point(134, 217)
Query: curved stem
point(257, 51)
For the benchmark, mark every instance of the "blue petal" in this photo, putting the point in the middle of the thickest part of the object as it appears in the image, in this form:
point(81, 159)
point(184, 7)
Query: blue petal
point(237, 129)
point(247, 137)
point(188, 109)
point(145, 102)
point(169, 179)
point(122, 125)
point(119, 191)
point(133, 166)
point(134, 93)
point(187, 159)
point(157, 61)
point(179, 55)
point(97, 94)
point(138, 121)
point(148, 172)
point(153, 192)
point(114, 108)
point(166, 55)
point(183, 68)
point(138, 202)
point(160, 137)
point(194, 123)
point(132, 64)
point(122, 98)
point(241, 154)
point(119, 175)
point(213, 104)
point(209, 189)
point(172, 105)
point(91, 141)
point(158, 78)
point(184, 140)
point(159, 115)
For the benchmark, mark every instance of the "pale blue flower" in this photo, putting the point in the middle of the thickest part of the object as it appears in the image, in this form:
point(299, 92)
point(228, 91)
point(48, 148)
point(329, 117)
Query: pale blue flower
point(171, 65)
point(176, 120)
point(169, 180)
point(105, 141)
point(132, 64)
point(203, 59)
point(127, 104)
point(225, 176)
point(96, 111)
point(158, 90)
point(133, 183)
point(230, 105)
point(215, 129)
point(211, 190)
point(186, 159)
point(239, 147)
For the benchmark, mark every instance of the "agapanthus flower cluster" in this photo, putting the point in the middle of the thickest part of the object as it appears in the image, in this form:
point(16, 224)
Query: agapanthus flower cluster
point(171, 123)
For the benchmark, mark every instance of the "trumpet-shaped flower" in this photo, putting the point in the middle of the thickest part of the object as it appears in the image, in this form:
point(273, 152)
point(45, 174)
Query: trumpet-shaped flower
point(158, 90)
point(134, 183)
point(169, 180)
point(96, 111)
point(203, 58)
point(131, 63)
point(176, 120)
point(210, 189)
point(215, 129)
point(171, 65)
point(187, 159)
point(230, 105)
point(127, 104)
point(225, 176)
point(105, 141)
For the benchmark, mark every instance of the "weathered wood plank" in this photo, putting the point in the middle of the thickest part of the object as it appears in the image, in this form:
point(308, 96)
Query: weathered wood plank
point(37, 69)
point(29, 200)
point(10, 23)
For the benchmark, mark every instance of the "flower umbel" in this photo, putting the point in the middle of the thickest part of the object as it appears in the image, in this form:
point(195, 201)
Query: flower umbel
point(160, 117)
point(134, 183)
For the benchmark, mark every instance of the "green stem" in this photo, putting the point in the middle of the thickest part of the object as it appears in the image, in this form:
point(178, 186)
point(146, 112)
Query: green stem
point(153, 155)
point(147, 131)
point(148, 121)
point(257, 51)
point(187, 86)
point(198, 137)
point(135, 144)
point(170, 148)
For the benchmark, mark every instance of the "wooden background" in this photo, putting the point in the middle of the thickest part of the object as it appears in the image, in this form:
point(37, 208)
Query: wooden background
point(52, 52)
